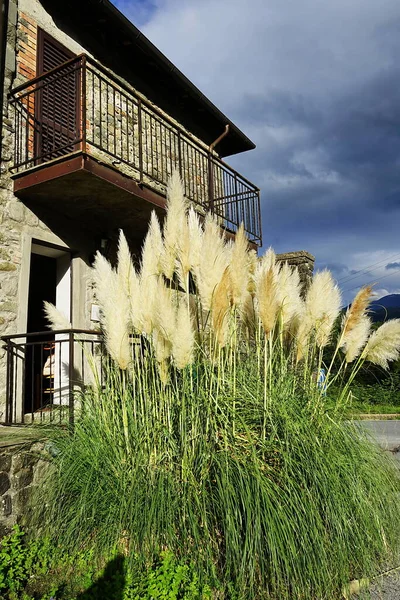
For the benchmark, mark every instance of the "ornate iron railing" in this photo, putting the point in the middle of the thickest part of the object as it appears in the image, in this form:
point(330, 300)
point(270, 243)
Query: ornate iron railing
point(82, 107)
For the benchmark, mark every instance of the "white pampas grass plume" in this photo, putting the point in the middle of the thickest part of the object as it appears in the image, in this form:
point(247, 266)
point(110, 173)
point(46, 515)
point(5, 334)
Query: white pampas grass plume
point(253, 266)
point(156, 242)
point(214, 261)
point(357, 310)
point(145, 308)
point(321, 308)
point(289, 290)
point(239, 267)
point(356, 338)
point(183, 338)
point(55, 317)
point(183, 256)
point(268, 261)
point(195, 239)
point(125, 265)
point(174, 223)
point(111, 295)
point(165, 311)
point(221, 308)
point(383, 345)
point(267, 295)
point(248, 313)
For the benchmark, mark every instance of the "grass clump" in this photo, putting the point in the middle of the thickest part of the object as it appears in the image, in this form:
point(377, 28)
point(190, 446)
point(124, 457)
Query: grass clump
point(208, 435)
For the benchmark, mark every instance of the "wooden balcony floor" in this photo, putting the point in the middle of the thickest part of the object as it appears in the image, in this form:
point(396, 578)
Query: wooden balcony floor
point(94, 196)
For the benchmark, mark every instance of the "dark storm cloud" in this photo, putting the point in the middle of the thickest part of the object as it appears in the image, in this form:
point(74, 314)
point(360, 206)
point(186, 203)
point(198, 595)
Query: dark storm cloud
point(393, 265)
point(316, 86)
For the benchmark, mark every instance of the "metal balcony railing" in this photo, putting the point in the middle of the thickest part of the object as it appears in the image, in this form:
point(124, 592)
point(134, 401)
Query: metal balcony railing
point(82, 107)
point(47, 371)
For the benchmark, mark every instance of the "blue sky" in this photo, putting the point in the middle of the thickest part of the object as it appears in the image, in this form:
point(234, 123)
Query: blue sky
point(316, 85)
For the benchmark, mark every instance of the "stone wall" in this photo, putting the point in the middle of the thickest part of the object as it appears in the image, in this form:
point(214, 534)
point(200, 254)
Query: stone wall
point(22, 468)
point(304, 261)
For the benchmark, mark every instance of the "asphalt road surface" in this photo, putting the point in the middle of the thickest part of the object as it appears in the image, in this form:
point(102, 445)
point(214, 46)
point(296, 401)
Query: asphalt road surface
point(387, 434)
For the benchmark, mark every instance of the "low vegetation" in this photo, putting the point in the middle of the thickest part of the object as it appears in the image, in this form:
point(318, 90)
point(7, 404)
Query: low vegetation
point(209, 436)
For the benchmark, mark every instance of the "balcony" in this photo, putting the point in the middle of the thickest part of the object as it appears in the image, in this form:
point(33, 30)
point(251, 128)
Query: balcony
point(83, 136)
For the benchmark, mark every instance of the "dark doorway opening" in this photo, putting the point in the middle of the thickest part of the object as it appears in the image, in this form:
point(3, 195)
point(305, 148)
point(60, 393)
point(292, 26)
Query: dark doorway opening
point(42, 287)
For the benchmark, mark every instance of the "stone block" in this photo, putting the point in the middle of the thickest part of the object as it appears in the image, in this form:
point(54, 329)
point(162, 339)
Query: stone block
point(21, 501)
point(6, 505)
point(4, 483)
point(5, 462)
point(24, 460)
point(16, 211)
point(22, 479)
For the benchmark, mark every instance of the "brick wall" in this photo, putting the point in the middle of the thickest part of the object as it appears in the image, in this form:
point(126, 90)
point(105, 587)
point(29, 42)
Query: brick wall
point(26, 46)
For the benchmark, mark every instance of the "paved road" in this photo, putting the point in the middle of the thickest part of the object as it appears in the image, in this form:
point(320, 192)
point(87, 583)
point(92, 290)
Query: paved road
point(386, 433)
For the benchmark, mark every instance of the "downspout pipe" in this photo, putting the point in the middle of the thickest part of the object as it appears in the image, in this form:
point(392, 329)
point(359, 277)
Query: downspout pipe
point(3, 47)
point(221, 137)
point(211, 169)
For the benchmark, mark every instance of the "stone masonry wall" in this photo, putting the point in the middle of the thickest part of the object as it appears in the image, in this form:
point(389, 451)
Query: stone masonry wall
point(22, 468)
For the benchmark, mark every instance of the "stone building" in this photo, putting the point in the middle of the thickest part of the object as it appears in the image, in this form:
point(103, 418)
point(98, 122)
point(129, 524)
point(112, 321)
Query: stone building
point(94, 119)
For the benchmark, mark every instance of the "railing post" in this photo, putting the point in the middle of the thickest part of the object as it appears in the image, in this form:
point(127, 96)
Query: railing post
point(180, 166)
point(140, 128)
point(8, 383)
point(210, 183)
point(82, 94)
point(71, 379)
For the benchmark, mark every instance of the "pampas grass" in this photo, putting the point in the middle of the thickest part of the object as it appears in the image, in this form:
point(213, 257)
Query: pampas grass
point(183, 338)
point(174, 223)
point(111, 295)
point(56, 318)
point(220, 446)
point(384, 344)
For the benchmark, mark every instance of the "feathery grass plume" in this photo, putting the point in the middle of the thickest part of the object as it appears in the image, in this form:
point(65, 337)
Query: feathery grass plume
point(252, 266)
point(174, 222)
point(166, 301)
point(221, 306)
point(289, 288)
point(196, 239)
point(183, 338)
point(248, 313)
point(124, 264)
point(266, 291)
point(355, 312)
point(149, 275)
point(111, 295)
point(321, 309)
point(356, 338)
point(126, 279)
point(383, 345)
point(239, 267)
point(183, 263)
point(214, 261)
point(156, 242)
point(135, 303)
point(55, 317)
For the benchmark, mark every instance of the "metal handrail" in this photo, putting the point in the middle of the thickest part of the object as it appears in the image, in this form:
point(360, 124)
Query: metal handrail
point(85, 70)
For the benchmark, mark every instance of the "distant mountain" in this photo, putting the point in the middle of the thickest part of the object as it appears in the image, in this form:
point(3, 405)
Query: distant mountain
point(385, 308)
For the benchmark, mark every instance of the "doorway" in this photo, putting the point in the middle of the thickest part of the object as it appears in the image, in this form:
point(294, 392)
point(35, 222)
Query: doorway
point(46, 379)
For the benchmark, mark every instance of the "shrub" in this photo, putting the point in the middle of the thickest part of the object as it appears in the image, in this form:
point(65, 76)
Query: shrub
point(208, 434)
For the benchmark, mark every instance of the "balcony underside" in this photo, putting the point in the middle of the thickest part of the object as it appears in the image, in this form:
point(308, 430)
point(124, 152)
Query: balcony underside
point(92, 195)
